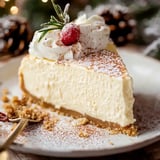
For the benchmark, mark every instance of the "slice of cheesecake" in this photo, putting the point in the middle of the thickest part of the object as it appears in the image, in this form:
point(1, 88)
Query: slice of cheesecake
point(97, 86)
point(87, 78)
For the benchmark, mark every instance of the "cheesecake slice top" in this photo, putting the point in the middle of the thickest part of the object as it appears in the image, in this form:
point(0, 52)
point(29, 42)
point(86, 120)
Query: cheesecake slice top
point(92, 49)
point(105, 61)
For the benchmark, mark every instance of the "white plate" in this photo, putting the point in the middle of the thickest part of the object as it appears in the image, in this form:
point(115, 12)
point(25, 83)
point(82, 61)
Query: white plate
point(64, 140)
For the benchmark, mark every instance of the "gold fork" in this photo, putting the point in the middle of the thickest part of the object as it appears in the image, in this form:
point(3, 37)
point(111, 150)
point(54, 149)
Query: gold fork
point(14, 133)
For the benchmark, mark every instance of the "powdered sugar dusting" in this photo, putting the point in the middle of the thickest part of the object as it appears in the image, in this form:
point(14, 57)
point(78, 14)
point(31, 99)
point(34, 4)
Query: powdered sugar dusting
point(103, 61)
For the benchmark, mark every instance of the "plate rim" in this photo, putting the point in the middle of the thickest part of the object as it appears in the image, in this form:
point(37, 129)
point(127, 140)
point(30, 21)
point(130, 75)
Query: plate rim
point(87, 152)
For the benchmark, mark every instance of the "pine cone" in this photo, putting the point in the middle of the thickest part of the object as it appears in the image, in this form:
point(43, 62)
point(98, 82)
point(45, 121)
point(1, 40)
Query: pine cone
point(120, 21)
point(15, 35)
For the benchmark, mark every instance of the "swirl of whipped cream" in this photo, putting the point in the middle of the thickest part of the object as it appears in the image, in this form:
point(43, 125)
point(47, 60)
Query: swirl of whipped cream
point(94, 32)
point(94, 36)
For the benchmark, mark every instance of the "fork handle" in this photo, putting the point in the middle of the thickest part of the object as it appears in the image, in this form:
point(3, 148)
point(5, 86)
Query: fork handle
point(12, 136)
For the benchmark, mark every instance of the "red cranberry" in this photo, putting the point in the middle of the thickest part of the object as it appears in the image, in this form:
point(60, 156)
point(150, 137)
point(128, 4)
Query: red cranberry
point(70, 34)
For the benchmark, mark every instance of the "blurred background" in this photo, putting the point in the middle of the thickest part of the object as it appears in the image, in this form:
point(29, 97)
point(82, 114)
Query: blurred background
point(131, 22)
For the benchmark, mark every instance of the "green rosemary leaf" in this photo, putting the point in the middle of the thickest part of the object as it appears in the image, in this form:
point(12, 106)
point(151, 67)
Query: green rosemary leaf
point(42, 35)
point(48, 29)
point(55, 22)
point(53, 19)
point(58, 10)
point(65, 13)
point(45, 31)
point(49, 24)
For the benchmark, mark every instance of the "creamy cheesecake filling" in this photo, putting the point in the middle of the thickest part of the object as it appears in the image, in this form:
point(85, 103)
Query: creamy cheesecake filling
point(110, 100)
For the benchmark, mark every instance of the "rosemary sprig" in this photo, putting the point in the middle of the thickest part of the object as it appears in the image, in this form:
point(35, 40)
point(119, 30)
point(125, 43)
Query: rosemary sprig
point(55, 23)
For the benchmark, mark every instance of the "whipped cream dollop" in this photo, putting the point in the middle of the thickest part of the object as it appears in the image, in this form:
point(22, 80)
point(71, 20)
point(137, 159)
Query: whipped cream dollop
point(94, 36)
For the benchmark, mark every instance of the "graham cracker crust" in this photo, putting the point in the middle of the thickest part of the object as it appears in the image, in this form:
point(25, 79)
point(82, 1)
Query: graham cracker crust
point(114, 128)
